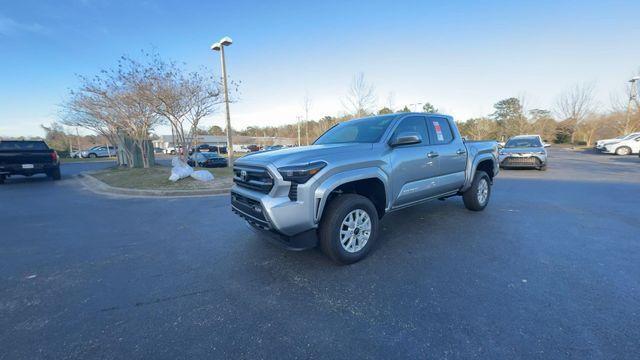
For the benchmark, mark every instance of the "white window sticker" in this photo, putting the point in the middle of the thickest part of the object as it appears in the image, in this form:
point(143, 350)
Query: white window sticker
point(436, 125)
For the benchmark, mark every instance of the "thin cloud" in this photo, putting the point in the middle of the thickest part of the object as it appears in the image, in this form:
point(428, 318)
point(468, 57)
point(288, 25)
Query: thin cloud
point(9, 27)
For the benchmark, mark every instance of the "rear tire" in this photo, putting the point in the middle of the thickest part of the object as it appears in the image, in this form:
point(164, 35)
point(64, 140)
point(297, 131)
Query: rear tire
point(344, 243)
point(623, 151)
point(477, 196)
point(55, 174)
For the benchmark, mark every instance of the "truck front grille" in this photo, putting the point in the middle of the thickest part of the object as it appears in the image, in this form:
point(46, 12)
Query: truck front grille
point(521, 161)
point(254, 178)
point(248, 208)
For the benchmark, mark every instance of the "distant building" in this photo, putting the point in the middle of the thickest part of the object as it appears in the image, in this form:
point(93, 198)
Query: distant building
point(166, 141)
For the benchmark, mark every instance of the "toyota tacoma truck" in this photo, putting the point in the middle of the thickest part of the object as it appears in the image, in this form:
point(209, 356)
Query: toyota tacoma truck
point(335, 192)
point(26, 157)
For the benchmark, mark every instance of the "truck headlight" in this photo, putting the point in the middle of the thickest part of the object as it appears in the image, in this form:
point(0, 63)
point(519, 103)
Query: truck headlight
point(300, 174)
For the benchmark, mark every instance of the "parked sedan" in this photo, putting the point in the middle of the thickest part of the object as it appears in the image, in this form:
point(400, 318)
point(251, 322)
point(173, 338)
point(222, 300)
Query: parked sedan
point(600, 144)
point(207, 159)
point(628, 146)
point(524, 151)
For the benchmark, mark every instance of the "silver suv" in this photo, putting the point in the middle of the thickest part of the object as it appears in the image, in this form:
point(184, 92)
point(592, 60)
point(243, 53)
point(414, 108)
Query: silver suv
point(335, 191)
point(99, 151)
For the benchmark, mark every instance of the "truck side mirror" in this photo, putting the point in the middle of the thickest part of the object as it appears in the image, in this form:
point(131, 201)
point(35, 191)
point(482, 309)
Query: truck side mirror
point(546, 145)
point(406, 138)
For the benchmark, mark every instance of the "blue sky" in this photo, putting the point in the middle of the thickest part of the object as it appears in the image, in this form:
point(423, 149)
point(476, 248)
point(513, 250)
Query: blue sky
point(463, 56)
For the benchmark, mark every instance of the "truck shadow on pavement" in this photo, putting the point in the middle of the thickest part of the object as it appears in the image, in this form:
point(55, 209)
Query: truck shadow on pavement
point(25, 180)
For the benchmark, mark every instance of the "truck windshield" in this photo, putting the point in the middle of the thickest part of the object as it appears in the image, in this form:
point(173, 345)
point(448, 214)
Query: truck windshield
point(23, 145)
point(367, 130)
point(523, 143)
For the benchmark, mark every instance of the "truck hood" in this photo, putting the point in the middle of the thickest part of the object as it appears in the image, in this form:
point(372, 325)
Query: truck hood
point(302, 154)
point(524, 150)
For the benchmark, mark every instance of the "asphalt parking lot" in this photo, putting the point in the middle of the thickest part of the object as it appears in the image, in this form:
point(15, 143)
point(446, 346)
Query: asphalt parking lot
point(551, 269)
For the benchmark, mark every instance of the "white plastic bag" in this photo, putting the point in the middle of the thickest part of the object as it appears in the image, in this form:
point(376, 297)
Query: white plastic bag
point(180, 170)
point(202, 175)
point(175, 161)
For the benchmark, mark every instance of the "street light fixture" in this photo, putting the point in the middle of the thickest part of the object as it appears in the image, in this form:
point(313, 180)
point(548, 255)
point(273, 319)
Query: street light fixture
point(219, 46)
point(633, 97)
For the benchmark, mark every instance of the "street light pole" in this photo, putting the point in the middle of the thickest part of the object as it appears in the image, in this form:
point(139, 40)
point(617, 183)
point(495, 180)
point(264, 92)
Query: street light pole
point(219, 46)
point(633, 96)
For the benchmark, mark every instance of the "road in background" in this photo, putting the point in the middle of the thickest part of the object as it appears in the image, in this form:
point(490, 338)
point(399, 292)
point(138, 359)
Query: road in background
point(548, 270)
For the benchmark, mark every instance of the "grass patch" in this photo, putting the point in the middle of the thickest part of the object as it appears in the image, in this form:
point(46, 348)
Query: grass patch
point(157, 178)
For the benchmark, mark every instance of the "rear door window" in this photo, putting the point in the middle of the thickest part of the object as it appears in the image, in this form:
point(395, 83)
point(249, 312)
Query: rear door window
point(439, 130)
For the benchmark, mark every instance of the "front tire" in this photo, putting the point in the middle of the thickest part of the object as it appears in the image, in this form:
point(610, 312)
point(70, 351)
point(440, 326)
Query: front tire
point(348, 228)
point(623, 150)
point(92, 156)
point(477, 196)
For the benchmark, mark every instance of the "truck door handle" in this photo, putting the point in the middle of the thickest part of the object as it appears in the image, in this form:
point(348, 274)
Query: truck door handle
point(461, 152)
point(432, 155)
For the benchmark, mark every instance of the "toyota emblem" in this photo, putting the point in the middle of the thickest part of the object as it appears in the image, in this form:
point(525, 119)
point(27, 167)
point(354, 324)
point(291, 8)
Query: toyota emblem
point(243, 175)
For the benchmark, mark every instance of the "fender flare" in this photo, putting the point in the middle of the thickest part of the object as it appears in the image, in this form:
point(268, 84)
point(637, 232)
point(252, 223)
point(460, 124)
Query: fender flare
point(321, 194)
point(471, 170)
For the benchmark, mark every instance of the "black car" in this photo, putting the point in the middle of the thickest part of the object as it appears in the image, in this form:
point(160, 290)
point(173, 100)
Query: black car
point(28, 158)
point(201, 148)
point(207, 159)
point(219, 149)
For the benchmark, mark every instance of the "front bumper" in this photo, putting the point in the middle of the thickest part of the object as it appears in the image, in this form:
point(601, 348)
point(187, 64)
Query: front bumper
point(254, 213)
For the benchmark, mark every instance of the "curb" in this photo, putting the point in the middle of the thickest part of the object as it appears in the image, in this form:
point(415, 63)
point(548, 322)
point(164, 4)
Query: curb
point(99, 187)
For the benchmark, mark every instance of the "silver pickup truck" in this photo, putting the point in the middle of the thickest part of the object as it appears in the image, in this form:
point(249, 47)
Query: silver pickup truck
point(335, 191)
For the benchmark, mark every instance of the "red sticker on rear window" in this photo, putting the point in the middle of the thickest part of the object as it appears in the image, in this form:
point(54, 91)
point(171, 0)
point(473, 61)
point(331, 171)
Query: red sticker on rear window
point(436, 125)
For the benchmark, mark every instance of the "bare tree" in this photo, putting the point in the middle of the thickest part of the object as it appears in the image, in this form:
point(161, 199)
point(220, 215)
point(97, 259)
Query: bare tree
point(479, 128)
point(628, 110)
point(391, 100)
point(588, 128)
point(90, 107)
point(115, 104)
point(575, 104)
point(183, 99)
point(135, 97)
point(360, 97)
